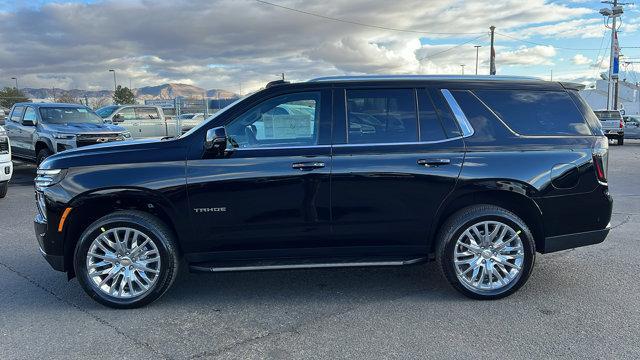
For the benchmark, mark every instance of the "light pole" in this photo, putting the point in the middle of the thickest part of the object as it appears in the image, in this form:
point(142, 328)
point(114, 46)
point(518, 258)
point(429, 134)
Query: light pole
point(462, 67)
point(16, 79)
point(477, 48)
point(115, 86)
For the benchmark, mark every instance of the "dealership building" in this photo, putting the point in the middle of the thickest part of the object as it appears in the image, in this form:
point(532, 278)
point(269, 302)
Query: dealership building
point(628, 96)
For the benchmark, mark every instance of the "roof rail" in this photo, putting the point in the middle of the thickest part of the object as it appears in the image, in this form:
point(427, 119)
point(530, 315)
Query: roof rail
point(424, 77)
point(276, 83)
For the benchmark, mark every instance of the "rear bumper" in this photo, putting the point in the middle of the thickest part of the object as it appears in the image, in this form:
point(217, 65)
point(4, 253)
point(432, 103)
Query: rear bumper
point(570, 241)
point(614, 133)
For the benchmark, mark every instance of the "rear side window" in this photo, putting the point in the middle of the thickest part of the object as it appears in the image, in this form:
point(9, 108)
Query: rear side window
point(381, 116)
point(147, 113)
point(430, 126)
point(536, 112)
point(16, 115)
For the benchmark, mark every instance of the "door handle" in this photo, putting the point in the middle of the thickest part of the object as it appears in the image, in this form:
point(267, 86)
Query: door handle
point(433, 162)
point(308, 165)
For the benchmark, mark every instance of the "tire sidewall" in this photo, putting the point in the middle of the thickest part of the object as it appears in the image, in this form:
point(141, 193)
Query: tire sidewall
point(528, 247)
point(167, 262)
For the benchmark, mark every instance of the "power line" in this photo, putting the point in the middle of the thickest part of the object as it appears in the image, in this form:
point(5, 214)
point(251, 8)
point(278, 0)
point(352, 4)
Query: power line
point(363, 24)
point(451, 48)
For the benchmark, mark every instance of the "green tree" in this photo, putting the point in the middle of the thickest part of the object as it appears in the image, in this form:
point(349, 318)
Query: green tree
point(123, 95)
point(10, 96)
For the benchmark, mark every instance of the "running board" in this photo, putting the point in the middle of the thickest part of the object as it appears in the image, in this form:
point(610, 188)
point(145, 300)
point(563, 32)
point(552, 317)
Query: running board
point(286, 264)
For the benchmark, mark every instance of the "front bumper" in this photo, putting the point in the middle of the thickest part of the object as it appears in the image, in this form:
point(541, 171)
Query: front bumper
point(570, 241)
point(41, 227)
point(6, 170)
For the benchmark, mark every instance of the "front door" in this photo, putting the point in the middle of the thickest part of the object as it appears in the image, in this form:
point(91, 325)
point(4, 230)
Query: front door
point(395, 160)
point(271, 191)
point(126, 117)
point(150, 123)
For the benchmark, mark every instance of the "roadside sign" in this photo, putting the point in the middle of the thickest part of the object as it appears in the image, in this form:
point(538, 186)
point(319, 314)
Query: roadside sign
point(165, 104)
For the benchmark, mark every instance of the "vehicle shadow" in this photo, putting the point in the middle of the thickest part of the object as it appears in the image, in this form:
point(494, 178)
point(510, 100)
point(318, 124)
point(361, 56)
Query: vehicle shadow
point(23, 173)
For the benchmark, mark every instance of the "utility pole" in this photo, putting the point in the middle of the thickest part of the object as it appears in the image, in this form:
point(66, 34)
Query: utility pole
point(492, 56)
point(282, 76)
point(462, 67)
point(115, 86)
point(614, 61)
point(16, 79)
point(477, 52)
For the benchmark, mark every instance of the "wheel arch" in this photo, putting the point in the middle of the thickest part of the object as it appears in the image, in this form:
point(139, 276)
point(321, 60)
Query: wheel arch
point(43, 143)
point(510, 199)
point(91, 206)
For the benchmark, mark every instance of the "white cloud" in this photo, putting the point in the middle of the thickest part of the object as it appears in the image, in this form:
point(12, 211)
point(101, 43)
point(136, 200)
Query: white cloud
point(528, 56)
point(580, 59)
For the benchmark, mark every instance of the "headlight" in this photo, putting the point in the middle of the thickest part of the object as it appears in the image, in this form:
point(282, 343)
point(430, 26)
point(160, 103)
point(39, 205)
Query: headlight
point(64, 136)
point(46, 178)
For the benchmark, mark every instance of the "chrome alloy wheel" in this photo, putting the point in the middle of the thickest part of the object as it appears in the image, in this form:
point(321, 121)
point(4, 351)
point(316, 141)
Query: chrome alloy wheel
point(488, 257)
point(123, 262)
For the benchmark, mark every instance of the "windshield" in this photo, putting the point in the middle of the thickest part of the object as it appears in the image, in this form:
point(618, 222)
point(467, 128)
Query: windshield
point(69, 115)
point(105, 112)
point(210, 118)
point(601, 114)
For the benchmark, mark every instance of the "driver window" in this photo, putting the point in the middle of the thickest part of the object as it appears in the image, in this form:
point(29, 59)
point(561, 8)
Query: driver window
point(288, 120)
point(126, 114)
point(30, 114)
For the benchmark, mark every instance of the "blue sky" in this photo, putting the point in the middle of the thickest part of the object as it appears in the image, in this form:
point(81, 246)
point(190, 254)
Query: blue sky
point(225, 43)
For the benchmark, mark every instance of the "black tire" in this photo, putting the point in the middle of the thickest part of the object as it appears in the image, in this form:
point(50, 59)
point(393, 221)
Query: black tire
point(151, 226)
point(42, 154)
point(3, 188)
point(621, 141)
point(460, 221)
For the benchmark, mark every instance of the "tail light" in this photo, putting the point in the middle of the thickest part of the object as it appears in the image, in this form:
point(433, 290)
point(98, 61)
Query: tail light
point(621, 124)
point(600, 153)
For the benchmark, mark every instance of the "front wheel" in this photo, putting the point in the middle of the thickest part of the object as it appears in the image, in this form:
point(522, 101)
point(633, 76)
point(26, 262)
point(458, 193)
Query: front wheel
point(42, 155)
point(126, 259)
point(486, 252)
point(3, 188)
point(621, 141)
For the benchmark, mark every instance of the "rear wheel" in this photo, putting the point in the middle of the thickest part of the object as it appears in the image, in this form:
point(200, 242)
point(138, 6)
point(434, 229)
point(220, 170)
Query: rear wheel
point(621, 141)
point(3, 188)
point(126, 259)
point(486, 252)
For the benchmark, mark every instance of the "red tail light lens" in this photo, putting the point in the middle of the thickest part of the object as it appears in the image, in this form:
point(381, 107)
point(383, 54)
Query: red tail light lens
point(600, 154)
point(621, 124)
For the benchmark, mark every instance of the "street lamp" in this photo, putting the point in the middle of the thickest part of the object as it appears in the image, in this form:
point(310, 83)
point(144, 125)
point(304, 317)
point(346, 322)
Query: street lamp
point(16, 79)
point(477, 48)
point(115, 86)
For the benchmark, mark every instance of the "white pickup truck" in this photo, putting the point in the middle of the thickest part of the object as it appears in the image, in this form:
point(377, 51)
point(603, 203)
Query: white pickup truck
point(144, 121)
point(612, 124)
point(6, 166)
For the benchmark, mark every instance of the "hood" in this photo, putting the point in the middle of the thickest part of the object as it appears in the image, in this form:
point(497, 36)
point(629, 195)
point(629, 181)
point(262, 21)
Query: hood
point(119, 152)
point(83, 128)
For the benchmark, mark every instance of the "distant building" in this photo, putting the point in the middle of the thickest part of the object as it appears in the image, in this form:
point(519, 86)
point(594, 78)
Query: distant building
point(628, 97)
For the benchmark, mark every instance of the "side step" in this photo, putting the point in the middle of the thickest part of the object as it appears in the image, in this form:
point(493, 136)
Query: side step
point(285, 264)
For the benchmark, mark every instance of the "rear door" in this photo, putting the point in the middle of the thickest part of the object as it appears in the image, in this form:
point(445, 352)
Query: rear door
point(150, 123)
point(13, 125)
point(397, 154)
point(28, 133)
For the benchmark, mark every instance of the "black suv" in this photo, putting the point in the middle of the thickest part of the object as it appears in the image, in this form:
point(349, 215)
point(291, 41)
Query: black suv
point(477, 173)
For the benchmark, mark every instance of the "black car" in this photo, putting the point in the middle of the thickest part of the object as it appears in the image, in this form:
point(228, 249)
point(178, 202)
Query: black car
point(476, 173)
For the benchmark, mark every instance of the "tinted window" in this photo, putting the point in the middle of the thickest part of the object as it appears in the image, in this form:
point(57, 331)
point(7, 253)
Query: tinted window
point(147, 113)
point(487, 128)
point(536, 112)
point(381, 116)
point(262, 126)
point(16, 115)
point(430, 126)
point(30, 114)
point(106, 111)
point(449, 123)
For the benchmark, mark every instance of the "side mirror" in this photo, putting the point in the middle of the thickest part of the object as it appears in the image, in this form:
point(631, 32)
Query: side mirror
point(117, 118)
point(216, 140)
point(28, 122)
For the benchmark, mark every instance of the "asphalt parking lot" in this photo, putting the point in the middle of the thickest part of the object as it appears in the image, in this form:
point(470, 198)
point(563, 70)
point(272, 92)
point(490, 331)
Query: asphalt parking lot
point(581, 303)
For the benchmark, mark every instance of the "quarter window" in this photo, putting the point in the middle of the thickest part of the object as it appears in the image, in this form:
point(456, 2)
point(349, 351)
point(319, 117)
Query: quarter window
point(430, 126)
point(536, 112)
point(288, 120)
point(381, 116)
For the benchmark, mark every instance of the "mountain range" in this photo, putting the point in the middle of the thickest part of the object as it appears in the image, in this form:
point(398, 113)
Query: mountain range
point(164, 91)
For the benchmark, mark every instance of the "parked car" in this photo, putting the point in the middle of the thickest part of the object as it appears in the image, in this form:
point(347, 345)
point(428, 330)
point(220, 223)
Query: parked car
point(145, 121)
point(190, 120)
point(38, 130)
point(477, 173)
point(6, 166)
point(632, 126)
point(612, 124)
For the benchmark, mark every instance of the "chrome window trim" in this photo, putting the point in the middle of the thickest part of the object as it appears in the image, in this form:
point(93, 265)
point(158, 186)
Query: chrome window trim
point(463, 122)
point(348, 145)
